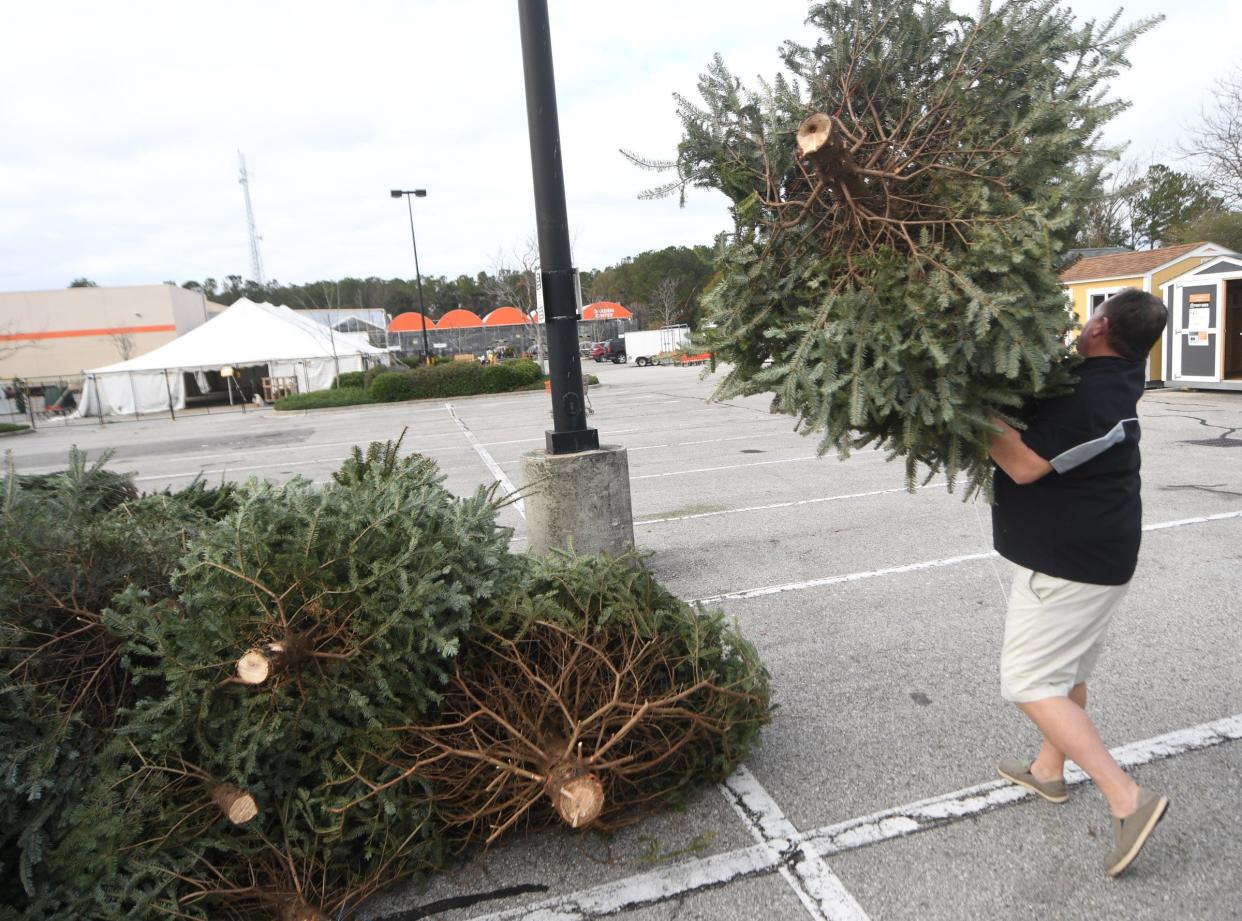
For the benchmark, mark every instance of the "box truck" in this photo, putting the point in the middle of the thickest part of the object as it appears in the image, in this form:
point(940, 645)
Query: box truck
point(646, 347)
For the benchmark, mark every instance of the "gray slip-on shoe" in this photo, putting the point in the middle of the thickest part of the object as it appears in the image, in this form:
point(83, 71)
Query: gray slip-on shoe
point(1133, 831)
point(1020, 773)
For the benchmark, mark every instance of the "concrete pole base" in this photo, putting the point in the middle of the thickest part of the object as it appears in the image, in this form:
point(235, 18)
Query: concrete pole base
point(579, 499)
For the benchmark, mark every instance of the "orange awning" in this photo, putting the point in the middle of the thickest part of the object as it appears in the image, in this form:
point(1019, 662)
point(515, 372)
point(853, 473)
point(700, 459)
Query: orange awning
point(605, 310)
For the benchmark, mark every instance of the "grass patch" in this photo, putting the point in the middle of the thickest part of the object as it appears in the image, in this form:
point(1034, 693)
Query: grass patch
point(7, 428)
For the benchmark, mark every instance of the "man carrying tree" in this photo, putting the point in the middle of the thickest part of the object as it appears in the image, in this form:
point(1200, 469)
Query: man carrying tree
point(1069, 515)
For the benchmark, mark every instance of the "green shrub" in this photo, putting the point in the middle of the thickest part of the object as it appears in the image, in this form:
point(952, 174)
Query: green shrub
point(320, 399)
point(6, 427)
point(350, 379)
point(526, 369)
point(455, 379)
point(500, 378)
point(391, 386)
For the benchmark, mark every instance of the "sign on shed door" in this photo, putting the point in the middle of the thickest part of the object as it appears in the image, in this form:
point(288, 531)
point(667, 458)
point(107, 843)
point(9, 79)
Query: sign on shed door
point(1196, 327)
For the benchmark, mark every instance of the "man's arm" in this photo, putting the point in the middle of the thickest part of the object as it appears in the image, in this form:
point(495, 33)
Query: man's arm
point(1013, 456)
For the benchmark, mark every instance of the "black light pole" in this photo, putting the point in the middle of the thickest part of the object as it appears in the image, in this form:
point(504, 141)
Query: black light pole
point(417, 193)
point(570, 432)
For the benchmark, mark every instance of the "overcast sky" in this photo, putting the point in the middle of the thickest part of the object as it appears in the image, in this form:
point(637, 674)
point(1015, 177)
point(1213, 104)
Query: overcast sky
point(120, 125)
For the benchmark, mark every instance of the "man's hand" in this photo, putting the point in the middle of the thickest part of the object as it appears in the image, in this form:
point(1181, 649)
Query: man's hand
point(1013, 456)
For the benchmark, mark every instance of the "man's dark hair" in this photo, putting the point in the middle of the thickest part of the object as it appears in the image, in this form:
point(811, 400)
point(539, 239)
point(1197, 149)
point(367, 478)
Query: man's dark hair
point(1135, 321)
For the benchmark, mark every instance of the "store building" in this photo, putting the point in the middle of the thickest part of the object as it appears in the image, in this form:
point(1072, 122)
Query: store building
point(53, 334)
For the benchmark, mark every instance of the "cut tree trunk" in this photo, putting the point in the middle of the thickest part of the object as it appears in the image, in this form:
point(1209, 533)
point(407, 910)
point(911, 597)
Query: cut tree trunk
point(821, 141)
point(298, 909)
point(237, 805)
point(258, 664)
point(576, 793)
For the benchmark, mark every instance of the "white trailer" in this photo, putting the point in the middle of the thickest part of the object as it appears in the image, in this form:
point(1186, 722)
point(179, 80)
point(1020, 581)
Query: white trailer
point(645, 347)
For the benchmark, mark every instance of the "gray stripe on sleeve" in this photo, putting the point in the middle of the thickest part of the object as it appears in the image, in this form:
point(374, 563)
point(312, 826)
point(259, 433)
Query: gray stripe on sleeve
point(1089, 450)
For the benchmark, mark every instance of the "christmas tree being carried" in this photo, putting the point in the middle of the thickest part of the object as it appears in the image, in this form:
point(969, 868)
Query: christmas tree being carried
point(900, 205)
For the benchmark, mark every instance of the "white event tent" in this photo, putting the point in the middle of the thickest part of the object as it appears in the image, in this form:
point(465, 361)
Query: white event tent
point(245, 334)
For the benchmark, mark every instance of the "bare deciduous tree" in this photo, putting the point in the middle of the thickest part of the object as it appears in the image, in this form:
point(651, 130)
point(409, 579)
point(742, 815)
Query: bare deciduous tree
point(1217, 142)
point(665, 304)
point(512, 282)
point(1106, 220)
point(11, 344)
point(125, 345)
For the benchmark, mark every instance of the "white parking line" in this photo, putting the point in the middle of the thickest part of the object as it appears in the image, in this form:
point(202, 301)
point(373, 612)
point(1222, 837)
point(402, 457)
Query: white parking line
point(785, 460)
point(489, 462)
point(950, 807)
point(646, 888)
point(818, 889)
point(718, 870)
point(705, 441)
point(765, 508)
point(925, 564)
point(289, 464)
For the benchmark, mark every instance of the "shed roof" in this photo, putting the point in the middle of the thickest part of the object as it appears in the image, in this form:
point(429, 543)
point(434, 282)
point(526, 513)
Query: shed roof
point(459, 319)
point(506, 316)
point(410, 322)
point(1125, 264)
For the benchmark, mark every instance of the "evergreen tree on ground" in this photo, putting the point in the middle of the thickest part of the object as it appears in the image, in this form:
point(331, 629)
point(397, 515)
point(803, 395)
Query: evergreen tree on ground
point(891, 277)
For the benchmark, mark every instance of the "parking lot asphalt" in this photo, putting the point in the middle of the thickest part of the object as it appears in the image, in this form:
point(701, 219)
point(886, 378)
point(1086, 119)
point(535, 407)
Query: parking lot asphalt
point(879, 613)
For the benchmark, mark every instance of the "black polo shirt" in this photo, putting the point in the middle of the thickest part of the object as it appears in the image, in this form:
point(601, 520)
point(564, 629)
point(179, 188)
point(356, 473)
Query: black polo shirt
point(1082, 521)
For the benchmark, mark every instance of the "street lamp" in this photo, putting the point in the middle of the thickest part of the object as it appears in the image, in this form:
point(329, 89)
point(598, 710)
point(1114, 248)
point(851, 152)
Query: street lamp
point(570, 433)
point(417, 193)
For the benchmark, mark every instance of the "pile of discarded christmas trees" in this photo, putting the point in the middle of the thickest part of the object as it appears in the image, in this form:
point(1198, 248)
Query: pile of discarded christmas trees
point(902, 195)
point(273, 701)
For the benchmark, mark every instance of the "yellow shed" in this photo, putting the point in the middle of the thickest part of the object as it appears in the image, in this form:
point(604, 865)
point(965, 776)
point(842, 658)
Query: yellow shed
point(1091, 281)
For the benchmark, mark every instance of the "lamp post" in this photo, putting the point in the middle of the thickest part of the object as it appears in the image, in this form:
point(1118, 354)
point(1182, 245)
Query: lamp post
point(577, 491)
point(418, 275)
point(570, 433)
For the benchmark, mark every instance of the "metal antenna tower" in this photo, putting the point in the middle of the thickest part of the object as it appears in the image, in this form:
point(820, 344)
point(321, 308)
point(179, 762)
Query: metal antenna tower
point(256, 262)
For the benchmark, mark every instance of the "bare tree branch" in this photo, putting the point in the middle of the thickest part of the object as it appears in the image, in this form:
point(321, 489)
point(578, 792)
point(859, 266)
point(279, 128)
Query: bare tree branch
point(1217, 142)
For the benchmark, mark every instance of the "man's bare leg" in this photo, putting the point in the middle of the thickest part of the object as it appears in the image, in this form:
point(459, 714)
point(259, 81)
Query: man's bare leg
point(1068, 729)
point(1050, 763)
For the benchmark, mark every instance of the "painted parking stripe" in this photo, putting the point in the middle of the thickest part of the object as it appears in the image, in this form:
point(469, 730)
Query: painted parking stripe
point(293, 464)
point(785, 460)
point(632, 449)
point(775, 505)
point(925, 564)
point(289, 465)
point(713, 872)
point(952, 807)
point(490, 462)
point(819, 890)
point(850, 577)
point(646, 888)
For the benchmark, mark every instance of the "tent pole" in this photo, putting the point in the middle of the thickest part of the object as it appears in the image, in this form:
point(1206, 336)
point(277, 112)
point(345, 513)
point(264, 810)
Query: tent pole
point(134, 393)
point(168, 387)
point(98, 399)
point(30, 407)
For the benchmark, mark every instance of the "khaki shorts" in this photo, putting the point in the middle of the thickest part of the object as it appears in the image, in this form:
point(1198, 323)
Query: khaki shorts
point(1054, 632)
